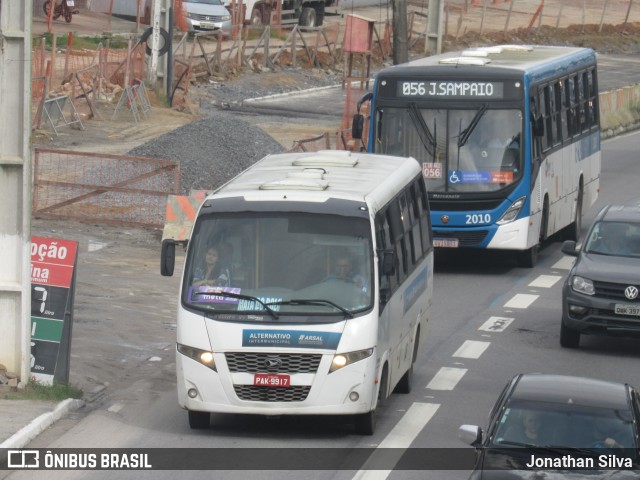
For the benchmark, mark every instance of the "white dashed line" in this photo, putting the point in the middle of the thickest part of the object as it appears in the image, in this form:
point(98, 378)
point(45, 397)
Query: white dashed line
point(402, 435)
point(545, 281)
point(496, 324)
point(471, 349)
point(521, 300)
point(565, 263)
point(446, 378)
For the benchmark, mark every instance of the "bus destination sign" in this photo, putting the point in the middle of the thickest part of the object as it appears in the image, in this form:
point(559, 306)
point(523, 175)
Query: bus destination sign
point(451, 89)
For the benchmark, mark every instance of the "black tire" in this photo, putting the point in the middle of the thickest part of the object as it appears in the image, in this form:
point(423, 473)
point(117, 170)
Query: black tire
point(68, 14)
point(406, 382)
point(544, 221)
point(569, 338)
point(199, 420)
point(528, 258)
point(165, 38)
point(572, 232)
point(365, 423)
point(307, 17)
point(405, 385)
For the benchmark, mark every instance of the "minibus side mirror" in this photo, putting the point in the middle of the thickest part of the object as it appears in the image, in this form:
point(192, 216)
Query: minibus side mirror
point(168, 257)
point(357, 126)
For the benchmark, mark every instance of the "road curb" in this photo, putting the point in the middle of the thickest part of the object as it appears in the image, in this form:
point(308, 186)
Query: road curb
point(21, 438)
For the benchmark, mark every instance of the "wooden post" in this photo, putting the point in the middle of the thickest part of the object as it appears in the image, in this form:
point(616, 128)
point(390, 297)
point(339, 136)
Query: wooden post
point(626, 18)
point(66, 56)
point(484, 11)
point(604, 9)
point(506, 23)
point(559, 15)
point(54, 51)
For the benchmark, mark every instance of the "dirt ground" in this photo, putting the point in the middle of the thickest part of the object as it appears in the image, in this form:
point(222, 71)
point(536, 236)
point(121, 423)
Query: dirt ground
point(119, 135)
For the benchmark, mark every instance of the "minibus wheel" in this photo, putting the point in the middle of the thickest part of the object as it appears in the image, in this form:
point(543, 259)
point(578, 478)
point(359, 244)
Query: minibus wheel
point(199, 420)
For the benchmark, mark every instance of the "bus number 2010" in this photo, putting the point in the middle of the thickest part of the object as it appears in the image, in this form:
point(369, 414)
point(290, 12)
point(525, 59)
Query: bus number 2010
point(475, 219)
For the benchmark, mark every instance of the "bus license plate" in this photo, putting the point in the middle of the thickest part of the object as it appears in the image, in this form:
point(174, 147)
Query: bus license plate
point(271, 380)
point(445, 242)
point(622, 309)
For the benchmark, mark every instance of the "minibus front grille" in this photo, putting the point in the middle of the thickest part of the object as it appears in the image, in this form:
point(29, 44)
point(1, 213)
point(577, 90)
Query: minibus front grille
point(253, 393)
point(243, 362)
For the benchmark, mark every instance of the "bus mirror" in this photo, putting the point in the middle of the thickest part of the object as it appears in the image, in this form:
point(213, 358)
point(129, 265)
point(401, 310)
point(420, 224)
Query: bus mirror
point(388, 262)
point(357, 126)
point(167, 257)
point(538, 127)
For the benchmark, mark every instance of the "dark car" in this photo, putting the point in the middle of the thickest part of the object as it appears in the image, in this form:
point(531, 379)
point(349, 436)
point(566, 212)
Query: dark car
point(600, 295)
point(545, 416)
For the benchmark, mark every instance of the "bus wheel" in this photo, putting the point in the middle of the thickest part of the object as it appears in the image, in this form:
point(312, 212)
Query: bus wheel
point(199, 420)
point(528, 258)
point(406, 382)
point(365, 423)
point(572, 231)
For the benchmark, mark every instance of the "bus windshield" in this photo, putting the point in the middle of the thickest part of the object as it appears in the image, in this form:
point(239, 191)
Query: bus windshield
point(471, 150)
point(287, 264)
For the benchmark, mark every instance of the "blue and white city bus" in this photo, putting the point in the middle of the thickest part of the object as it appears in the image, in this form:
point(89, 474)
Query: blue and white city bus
point(508, 138)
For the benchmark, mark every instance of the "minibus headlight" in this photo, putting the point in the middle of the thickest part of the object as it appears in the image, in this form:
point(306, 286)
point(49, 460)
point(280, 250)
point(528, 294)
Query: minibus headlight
point(512, 212)
point(202, 356)
point(343, 359)
point(582, 285)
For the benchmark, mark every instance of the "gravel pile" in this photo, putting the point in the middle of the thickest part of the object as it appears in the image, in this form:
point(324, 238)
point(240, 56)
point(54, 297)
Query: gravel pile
point(213, 150)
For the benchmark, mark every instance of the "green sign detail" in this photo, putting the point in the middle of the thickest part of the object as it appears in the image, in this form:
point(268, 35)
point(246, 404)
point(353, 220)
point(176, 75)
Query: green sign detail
point(46, 329)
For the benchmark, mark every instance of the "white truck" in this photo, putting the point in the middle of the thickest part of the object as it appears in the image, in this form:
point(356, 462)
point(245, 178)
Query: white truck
point(307, 13)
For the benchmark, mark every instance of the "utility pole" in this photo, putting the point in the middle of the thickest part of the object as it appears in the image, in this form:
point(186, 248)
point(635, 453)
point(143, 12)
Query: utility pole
point(157, 71)
point(15, 185)
point(433, 45)
point(400, 34)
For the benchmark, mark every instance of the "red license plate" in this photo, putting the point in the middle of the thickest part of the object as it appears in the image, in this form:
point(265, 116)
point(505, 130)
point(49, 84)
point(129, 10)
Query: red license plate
point(271, 380)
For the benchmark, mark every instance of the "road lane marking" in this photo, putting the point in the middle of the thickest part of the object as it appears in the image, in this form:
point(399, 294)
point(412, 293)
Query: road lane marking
point(471, 349)
point(496, 324)
point(400, 437)
point(521, 300)
point(446, 378)
point(545, 281)
point(565, 263)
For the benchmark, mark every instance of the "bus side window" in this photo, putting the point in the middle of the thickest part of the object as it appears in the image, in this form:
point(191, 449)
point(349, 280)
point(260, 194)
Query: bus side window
point(561, 111)
point(416, 242)
point(425, 220)
point(385, 242)
point(397, 238)
point(551, 130)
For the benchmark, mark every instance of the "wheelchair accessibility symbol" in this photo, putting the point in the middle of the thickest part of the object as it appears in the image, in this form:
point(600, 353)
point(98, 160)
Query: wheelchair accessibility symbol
point(453, 178)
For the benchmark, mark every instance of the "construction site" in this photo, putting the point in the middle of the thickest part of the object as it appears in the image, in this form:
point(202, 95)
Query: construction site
point(92, 100)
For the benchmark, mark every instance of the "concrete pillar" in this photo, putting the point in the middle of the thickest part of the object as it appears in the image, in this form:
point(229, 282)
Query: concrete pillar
point(15, 185)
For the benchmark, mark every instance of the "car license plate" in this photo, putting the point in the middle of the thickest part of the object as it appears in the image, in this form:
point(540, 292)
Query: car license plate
point(271, 380)
point(445, 242)
point(70, 3)
point(207, 26)
point(622, 309)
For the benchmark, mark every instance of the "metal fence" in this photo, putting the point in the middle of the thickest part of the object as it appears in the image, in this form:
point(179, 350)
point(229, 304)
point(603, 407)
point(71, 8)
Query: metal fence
point(102, 188)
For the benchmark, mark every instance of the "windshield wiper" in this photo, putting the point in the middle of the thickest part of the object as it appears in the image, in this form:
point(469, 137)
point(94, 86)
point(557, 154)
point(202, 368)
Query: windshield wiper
point(426, 137)
point(466, 133)
point(313, 302)
point(242, 297)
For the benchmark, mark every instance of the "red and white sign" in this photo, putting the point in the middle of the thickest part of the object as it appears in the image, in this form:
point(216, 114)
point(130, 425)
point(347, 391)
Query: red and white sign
point(52, 261)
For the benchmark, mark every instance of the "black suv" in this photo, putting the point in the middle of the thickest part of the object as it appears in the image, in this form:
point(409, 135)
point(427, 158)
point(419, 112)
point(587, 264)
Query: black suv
point(600, 295)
